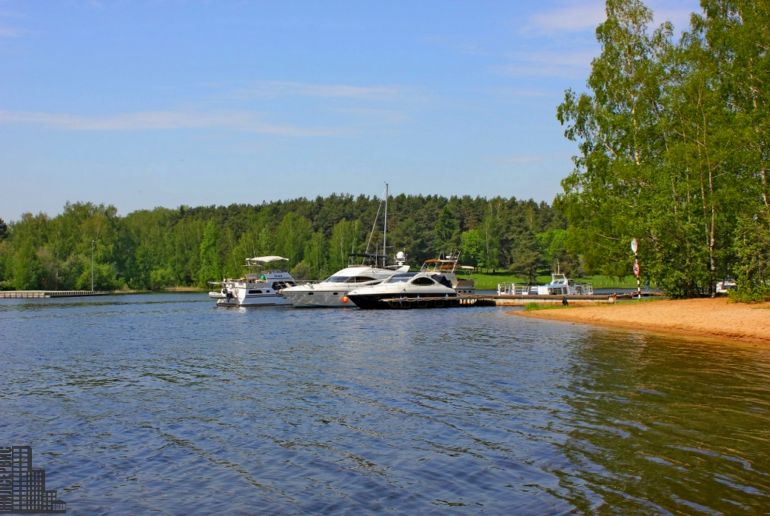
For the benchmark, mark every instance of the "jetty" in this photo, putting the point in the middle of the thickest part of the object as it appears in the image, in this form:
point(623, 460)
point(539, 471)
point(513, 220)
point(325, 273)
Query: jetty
point(44, 294)
point(542, 299)
point(471, 300)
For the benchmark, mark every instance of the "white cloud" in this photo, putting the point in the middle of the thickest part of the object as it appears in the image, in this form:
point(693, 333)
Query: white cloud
point(570, 18)
point(550, 64)
point(160, 120)
point(345, 91)
point(586, 15)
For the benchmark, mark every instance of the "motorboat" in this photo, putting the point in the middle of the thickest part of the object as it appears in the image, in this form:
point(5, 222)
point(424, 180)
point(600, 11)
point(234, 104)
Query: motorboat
point(447, 266)
point(333, 291)
point(407, 290)
point(560, 285)
point(436, 285)
point(261, 288)
point(222, 287)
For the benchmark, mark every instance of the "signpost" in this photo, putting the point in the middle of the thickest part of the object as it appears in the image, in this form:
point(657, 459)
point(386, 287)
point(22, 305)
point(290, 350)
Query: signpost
point(635, 248)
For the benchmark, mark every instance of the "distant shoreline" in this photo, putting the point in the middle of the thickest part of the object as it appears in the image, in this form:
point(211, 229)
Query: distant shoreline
point(717, 318)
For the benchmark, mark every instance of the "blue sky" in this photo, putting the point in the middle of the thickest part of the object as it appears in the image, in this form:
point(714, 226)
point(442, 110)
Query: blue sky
point(168, 102)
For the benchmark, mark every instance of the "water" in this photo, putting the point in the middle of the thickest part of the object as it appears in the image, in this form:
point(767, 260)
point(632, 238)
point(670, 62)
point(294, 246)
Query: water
point(163, 403)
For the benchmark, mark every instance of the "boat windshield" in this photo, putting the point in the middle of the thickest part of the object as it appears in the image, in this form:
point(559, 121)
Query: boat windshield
point(400, 278)
point(349, 279)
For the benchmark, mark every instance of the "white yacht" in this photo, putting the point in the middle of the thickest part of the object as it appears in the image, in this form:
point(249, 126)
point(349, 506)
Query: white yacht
point(436, 285)
point(407, 290)
point(262, 288)
point(447, 265)
point(333, 291)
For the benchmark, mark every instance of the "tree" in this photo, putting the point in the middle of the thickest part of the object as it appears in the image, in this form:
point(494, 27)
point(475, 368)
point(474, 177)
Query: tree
point(472, 248)
point(345, 239)
point(526, 257)
point(292, 234)
point(209, 255)
point(446, 232)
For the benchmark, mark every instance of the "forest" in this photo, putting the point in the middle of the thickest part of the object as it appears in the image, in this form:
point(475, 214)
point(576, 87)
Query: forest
point(672, 135)
point(160, 248)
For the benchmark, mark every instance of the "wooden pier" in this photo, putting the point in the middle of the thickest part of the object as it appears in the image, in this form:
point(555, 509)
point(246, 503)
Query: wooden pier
point(527, 299)
point(470, 300)
point(44, 294)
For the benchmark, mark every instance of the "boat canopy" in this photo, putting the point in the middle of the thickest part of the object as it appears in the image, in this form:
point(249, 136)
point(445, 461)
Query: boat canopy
point(265, 259)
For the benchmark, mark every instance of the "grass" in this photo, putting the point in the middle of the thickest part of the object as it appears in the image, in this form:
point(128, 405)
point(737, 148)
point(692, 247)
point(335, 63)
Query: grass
point(532, 307)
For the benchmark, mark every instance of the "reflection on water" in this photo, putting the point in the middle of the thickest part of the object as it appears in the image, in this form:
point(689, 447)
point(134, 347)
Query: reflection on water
point(164, 403)
point(660, 425)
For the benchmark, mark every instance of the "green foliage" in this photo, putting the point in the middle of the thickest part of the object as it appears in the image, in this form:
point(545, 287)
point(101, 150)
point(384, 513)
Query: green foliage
point(753, 260)
point(673, 146)
point(210, 269)
point(291, 236)
point(155, 249)
point(472, 248)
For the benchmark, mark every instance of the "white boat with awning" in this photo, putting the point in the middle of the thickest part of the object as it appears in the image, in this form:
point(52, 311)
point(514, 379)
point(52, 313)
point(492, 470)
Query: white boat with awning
point(260, 288)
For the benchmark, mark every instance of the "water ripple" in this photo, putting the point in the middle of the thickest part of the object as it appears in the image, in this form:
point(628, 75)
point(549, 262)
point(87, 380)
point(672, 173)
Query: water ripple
point(165, 404)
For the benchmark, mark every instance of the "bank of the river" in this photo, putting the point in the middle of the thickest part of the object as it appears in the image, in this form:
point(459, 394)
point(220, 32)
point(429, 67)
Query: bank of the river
point(718, 318)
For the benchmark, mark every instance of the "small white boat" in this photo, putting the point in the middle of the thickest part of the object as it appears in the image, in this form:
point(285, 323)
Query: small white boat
point(725, 286)
point(261, 288)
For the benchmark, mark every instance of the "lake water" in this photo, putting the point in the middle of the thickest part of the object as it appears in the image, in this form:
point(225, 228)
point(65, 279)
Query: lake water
point(164, 403)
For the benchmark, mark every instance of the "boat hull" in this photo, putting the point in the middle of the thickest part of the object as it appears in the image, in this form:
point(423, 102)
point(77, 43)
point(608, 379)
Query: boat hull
point(314, 298)
point(401, 301)
point(255, 300)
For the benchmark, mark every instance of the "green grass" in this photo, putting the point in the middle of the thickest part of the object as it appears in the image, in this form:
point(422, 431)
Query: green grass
point(532, 307)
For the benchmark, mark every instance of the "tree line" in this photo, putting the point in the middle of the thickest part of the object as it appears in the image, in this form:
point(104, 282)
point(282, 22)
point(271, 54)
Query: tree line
point(674, 149)
point(154, 249)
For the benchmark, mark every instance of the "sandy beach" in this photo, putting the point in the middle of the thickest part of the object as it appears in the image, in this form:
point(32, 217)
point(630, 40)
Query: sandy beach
point(714, 318)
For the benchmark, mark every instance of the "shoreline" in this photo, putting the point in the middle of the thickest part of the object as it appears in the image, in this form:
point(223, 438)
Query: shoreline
point(713, 318)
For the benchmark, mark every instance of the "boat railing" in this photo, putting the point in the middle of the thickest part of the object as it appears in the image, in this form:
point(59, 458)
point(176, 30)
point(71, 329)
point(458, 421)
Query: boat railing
point(571, 289)
point(512, 289)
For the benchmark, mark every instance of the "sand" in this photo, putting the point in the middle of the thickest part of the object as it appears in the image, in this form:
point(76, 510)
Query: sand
point(714, 318)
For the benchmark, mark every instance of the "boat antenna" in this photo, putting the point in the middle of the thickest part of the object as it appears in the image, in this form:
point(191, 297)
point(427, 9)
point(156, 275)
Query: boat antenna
point(385, 230)
point(374, 225)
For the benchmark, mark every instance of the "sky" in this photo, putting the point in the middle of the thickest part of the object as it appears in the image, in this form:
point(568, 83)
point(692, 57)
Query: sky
point(147, 103)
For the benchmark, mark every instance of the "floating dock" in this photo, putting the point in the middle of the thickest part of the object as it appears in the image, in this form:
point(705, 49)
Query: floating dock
point(44, 294)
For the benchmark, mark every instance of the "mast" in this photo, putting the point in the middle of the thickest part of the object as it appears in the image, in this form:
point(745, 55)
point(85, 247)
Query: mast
point(385, 231)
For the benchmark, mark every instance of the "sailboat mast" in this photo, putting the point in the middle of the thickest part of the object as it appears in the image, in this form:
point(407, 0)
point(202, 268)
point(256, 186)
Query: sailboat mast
point(385, 231)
